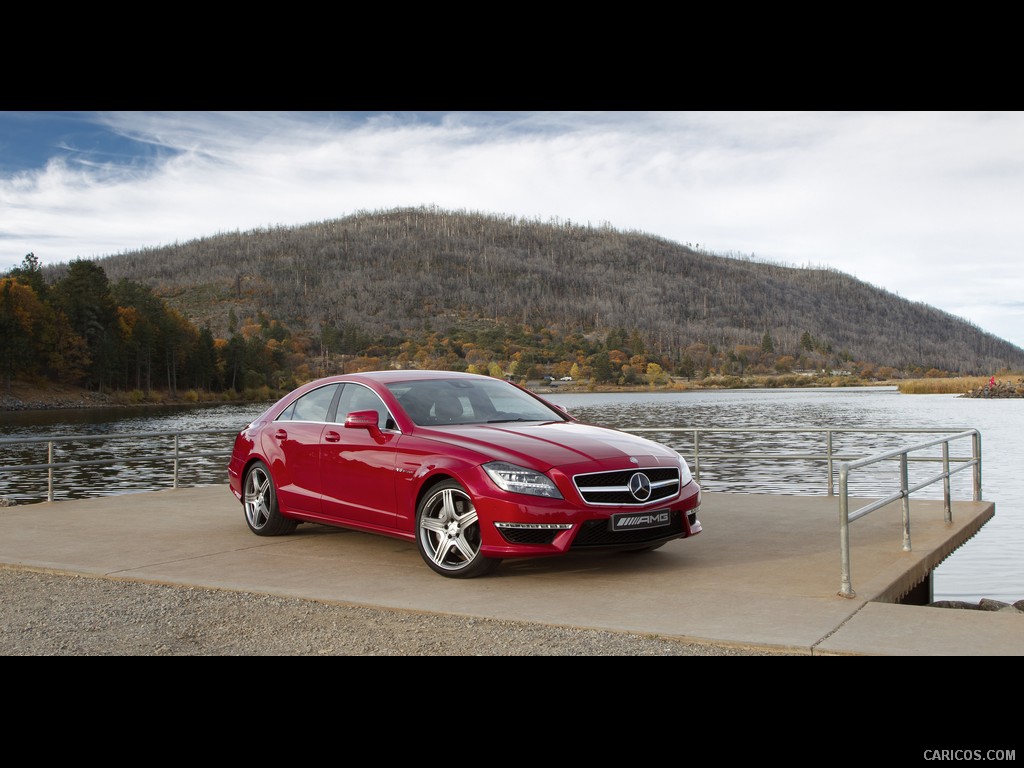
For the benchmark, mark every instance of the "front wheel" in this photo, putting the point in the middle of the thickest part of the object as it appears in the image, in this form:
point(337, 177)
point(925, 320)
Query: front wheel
point(448, 533)
point(259, 497)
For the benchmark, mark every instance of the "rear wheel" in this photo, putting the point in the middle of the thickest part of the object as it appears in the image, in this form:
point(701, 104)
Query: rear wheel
point(259, 497)
point(448, 533)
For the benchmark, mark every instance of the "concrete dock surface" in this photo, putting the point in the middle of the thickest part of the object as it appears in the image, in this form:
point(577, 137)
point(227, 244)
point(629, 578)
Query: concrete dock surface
point(765, 573)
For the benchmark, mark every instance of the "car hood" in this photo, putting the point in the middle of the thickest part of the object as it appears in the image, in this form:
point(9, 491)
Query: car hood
point(542, 445)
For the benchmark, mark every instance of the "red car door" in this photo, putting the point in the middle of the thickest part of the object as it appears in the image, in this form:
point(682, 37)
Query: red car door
point(357, 466)
point(292, 449)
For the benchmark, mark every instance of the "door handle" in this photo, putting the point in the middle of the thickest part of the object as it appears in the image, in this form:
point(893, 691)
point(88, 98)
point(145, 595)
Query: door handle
point(332, 437)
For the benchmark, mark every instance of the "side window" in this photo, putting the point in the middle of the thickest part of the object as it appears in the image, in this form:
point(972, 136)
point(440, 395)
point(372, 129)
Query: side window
point(312, 406)
point(356, 397)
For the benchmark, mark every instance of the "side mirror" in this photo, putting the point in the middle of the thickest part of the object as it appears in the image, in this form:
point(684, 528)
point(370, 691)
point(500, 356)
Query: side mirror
point(362, 420)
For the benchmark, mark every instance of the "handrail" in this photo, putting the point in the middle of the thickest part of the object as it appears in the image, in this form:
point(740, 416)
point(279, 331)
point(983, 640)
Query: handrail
point(828, 455)
point(846, 517)
point(50, 440)
point(849, 463)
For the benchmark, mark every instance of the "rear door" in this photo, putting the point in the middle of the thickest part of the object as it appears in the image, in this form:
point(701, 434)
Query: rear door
point(292, 449)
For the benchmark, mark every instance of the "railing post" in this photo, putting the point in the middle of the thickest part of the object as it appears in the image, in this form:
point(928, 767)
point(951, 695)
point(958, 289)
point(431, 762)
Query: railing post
point(845, 588)
point(947, 507)
point(904, 489)
point(828, 452)
point(175, 460)
point(977, 465)
point(696, 455)
point(49, 471)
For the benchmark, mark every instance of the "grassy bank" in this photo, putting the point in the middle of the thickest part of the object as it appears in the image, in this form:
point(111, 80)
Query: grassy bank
point(955, 386)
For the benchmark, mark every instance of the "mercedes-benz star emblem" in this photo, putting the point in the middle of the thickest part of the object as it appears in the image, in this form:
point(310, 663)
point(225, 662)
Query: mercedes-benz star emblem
point(640, 486)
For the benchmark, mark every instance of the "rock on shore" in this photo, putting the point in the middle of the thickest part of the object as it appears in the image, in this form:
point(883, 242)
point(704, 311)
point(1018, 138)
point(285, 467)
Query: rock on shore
point(985, 604)
point(26, 399)
point(999, 389)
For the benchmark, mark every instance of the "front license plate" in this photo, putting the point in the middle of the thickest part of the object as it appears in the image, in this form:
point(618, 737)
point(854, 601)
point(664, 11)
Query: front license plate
point(638, 521)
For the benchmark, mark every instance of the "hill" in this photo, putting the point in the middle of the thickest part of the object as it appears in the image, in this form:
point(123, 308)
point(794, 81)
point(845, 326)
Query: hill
point(369, 282)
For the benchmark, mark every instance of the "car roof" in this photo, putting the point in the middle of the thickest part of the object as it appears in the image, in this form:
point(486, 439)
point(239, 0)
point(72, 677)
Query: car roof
point(391, 376)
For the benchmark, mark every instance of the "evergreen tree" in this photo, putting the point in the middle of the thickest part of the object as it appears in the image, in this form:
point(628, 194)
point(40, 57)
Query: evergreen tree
point(234, 362)
point(83, 295)
point(203, 365)
point(30, 273)
point(636, 344)
point(687, 367)
point(142, 318)
point(601, 368)
point(21, 318)
point(616, 339)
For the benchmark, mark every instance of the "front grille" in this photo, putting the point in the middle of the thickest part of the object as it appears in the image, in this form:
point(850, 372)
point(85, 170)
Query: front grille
point(613, 487)
point(598, 533)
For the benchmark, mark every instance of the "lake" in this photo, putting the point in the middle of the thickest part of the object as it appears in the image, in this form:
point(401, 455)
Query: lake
point(990, 565)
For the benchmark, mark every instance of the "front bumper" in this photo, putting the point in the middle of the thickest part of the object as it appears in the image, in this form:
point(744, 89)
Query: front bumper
point(508, 533)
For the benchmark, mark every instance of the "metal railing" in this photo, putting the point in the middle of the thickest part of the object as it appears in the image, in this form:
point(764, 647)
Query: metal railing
point(846, 517)
point(827, 454)
point(173, 454)
point(829, 457)
point(697, 452)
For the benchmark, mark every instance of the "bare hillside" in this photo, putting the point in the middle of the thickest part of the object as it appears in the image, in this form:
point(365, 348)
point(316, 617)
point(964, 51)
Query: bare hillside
point(388, 275)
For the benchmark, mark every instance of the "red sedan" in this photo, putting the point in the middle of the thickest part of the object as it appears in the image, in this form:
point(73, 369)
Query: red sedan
point(472, 468)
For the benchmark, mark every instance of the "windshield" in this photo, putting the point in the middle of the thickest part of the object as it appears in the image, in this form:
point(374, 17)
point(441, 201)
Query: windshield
point(462, 401)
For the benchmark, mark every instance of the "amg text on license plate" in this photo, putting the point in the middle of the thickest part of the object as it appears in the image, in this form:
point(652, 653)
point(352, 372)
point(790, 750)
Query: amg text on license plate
point(636, 521)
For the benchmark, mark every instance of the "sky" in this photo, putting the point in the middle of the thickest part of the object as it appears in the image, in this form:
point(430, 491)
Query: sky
point(926, 205)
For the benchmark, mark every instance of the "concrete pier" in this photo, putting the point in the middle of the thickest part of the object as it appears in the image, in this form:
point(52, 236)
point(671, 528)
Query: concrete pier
point(765, 573)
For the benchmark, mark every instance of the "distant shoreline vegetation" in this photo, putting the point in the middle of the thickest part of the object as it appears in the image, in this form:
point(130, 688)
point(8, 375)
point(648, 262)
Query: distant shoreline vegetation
point(22, 396)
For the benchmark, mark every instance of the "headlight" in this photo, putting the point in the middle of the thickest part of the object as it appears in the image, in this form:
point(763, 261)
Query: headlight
point(684, 472)
point(515, 479)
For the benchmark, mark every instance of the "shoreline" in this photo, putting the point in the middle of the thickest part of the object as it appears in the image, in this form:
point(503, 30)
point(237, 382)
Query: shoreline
point(20, 397)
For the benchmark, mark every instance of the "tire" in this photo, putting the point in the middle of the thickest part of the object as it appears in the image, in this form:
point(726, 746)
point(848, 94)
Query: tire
point(448, 533)
point(259, 498)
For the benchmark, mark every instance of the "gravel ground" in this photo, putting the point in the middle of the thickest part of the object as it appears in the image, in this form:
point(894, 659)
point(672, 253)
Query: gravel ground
point(51, 614)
